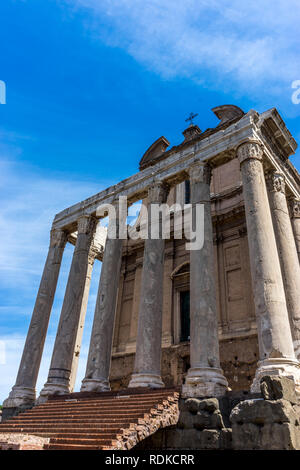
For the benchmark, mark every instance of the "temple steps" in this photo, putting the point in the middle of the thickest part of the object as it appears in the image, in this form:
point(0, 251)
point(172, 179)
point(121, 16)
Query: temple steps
point(86, 421)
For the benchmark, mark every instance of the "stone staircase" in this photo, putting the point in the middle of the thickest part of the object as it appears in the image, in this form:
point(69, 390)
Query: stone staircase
point(95, 421)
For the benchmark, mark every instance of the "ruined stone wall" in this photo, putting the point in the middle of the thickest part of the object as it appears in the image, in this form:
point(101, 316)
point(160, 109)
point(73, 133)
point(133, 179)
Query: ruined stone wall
point(238, 361)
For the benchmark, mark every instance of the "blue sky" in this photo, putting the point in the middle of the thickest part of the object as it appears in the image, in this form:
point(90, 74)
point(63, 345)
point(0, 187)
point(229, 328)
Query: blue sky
point(90, 85)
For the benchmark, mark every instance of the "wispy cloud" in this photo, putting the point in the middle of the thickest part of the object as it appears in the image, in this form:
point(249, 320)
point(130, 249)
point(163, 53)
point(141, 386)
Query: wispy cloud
point(215, 39)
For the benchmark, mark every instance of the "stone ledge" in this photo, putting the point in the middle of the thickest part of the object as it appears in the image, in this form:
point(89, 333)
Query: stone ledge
point(15, 441)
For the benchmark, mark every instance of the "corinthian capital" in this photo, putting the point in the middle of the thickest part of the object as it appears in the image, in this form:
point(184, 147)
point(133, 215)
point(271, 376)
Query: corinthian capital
point(200, 173)
point(158, 193)
point(249, 151)
point(275, 181)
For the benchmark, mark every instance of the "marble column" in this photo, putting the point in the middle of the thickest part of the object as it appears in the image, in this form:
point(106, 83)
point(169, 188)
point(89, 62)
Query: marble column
point(147, 368)
point(23, 393)
point(85, 298)
point(99, 357)
point(287, 251)
point(276, 349)
point(58, 381)
point(205, 377)
point(295, 219)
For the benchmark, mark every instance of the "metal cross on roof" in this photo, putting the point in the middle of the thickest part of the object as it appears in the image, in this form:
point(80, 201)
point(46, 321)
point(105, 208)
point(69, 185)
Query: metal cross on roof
point(191, 117)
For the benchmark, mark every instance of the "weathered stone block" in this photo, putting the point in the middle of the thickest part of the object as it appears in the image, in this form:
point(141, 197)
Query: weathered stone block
point(191, 405)
point(186, 420)
point(263, 411)
point(277, 388)
point(265, 424)
point(209, 404)
point(273, 436)
point(205, 420)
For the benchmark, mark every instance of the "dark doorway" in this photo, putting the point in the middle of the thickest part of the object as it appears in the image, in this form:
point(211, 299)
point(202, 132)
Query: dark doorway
point(185, 315)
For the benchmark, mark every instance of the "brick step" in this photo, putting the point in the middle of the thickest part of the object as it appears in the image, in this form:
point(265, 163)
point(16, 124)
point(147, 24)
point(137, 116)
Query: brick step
point(80, 441)
point(71, 447)
point(146, 401)
point(127, 405)
point(138, 392)
point(89, 412)
point(65, 429)
point(76, 427)
point(97, 414)
point(72, 435)
point(103, 397)
point(71, 432)
point(80, 425)
point(79, 419)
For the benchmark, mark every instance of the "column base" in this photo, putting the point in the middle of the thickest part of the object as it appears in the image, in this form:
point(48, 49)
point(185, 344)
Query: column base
point(20, 397)
point(278, 366)
point(146, 380)
point(204, 382)
point(50, 389)
point(95, 385)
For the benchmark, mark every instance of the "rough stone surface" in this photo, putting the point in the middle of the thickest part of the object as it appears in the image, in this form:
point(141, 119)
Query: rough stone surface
point(277, 388)
point(200, 426)
point(11, 441)
point(265, 425)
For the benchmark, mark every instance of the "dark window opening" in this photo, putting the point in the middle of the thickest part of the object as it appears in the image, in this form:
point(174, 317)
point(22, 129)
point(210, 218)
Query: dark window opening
point(185, 316)
point(187, 192)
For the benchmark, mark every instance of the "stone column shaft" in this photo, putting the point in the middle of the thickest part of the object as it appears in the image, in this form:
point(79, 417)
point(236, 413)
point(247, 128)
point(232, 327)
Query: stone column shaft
point(205, 377)
point(287, 252)
point(147, 368)
point(99, 358)
point(274, 334)
point(78, 342)
point(61, 363)
point(295, 213)
point(23, 392)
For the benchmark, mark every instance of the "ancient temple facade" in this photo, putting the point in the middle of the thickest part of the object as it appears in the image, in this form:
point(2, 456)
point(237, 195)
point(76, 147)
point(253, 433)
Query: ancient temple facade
point(208, 320)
